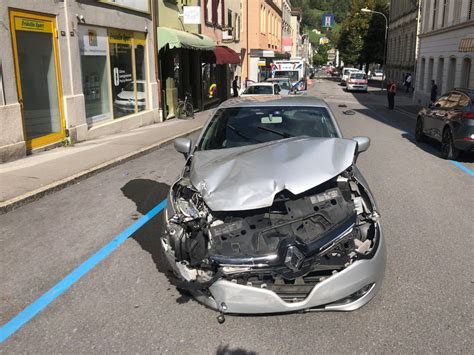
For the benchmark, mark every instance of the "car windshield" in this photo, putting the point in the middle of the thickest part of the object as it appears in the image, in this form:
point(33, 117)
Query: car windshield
point(259, 90)
point(284, 84)
point(129, 87)
point(241, 126)
point(290, 74)
point(358, 76)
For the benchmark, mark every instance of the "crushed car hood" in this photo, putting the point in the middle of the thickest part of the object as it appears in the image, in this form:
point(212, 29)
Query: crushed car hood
point(249, 177)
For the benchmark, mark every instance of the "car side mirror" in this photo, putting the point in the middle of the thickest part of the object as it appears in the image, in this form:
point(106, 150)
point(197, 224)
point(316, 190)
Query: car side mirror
point(363, 143)
point(183, 146)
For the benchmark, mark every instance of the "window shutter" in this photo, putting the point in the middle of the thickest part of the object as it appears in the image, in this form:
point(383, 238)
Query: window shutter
point(214, 11)
point(223, 12)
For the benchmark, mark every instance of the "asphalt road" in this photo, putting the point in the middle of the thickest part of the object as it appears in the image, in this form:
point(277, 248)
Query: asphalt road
point(126, 303)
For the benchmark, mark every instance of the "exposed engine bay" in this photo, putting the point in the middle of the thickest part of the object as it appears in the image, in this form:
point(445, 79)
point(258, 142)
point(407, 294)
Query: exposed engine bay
point(288, 248)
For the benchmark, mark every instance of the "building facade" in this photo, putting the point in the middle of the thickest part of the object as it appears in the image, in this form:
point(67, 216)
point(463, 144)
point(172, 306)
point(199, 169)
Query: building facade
point(221, 22)
point(286, 29)
point(446, 47)
point(261, 41)
point(296, 50)
point(181, 52)
point(402, 39)
point(73, 71)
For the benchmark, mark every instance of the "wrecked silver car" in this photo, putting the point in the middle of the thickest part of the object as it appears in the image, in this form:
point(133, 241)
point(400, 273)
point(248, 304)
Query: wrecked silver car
point(271, 214)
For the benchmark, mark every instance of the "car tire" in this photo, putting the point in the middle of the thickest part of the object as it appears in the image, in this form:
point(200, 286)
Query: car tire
point(448, 151)
point(419, 135)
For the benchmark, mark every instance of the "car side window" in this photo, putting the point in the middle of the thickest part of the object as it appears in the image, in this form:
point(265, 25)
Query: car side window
point(276, 89)
point(464, 101)
point(453, 100)
point(442, 102)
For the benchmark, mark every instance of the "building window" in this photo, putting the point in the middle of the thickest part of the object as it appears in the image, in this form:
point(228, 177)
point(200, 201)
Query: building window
point(466, 73)
point(208, 10)
point(435, 9)
point(439, 74)
point(430, 73)
point(422, 74)
point(95, 73)
point(445, 13)
point(470, 14)
point(127, 65)
point(451, 74)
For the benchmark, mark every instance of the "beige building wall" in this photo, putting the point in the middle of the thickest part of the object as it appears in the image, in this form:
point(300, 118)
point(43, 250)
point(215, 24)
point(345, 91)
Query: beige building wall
point(262, 29)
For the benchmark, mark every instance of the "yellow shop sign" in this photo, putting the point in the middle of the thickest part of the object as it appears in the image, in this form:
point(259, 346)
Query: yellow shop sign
point(28, 24)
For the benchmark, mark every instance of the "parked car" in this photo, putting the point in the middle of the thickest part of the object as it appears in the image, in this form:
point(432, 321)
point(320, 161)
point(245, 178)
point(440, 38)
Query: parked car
point(357, 81)
point(265, 88)
point(450, 120)
point(271, 214)
point(284, 83)
point(377, 73)
point(345, 74)
point(125, 100)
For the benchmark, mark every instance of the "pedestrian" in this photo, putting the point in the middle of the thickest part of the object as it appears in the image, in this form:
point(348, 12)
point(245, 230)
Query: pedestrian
point(391, 92)
point(434, 91)
point(408, 80)
point(235, 86)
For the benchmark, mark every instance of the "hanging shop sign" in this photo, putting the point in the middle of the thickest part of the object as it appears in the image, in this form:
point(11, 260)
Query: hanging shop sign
point(137, 5)
point(92, 40)
point(192, 15)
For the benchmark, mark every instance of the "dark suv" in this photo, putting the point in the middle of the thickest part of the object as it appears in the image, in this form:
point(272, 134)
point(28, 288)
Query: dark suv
point(450, 120)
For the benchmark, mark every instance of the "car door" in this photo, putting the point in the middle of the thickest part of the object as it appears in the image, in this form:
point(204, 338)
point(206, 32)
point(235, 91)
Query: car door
point(433, 115)
point(448, 113)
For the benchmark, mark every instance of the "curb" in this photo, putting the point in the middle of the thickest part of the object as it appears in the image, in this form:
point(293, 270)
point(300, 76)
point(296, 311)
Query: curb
point(35, 195)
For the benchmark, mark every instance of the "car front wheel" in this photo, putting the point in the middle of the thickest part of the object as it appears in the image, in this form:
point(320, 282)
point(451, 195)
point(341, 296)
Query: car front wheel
point(448, 151)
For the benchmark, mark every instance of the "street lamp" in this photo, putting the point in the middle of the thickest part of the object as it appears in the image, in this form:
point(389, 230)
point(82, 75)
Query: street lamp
point(385, 41)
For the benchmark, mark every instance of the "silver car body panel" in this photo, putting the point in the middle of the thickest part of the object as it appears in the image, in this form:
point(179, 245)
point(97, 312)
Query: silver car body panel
point(249, 177)
point(231, 297)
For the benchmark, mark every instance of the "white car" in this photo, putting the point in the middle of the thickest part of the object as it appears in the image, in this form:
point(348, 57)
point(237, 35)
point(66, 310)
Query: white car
point(266, 88)
point(125, 100)
point(345, 74)
point(357, 81)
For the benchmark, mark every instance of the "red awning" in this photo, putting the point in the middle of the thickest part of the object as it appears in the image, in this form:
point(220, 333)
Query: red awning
point(225, 55)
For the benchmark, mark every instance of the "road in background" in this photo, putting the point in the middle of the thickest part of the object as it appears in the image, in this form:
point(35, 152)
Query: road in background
point(127, 304)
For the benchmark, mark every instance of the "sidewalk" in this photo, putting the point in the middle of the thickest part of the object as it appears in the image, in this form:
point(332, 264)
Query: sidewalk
point(28, 179)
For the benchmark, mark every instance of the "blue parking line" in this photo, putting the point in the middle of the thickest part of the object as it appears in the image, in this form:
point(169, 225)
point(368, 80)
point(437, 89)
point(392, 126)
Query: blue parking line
point(62, 286)
point(462, 167)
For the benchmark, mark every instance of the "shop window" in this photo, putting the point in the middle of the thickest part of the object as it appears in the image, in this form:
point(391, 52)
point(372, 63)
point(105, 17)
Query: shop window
point(95, 74)
point(127, 61)
point(466, 73)
point(451, 73)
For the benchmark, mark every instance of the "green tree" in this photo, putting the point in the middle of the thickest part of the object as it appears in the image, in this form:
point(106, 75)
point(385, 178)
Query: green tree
point(374, 40)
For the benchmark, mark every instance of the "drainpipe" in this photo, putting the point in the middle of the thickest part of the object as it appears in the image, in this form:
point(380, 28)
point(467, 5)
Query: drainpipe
point(247, 42)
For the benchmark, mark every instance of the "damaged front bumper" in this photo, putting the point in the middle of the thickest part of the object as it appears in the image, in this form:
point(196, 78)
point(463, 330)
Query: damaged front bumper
point(346, 290)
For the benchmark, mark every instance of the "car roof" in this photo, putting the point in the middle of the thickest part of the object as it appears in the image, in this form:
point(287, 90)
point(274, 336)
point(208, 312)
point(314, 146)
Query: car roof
point(468, 92)
point(272, 100)
point(260, 84)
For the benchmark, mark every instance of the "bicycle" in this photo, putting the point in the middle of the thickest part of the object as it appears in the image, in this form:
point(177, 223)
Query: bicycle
point(185, 109)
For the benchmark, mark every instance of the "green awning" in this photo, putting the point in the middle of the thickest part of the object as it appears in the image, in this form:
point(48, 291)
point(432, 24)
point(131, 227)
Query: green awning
point(181, 39)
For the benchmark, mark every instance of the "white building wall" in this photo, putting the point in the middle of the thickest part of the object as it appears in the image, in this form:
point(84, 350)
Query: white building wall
point(442, 43)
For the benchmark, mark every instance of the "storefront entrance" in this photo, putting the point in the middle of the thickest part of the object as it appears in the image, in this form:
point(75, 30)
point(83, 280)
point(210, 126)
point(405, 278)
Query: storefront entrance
point(38, 79)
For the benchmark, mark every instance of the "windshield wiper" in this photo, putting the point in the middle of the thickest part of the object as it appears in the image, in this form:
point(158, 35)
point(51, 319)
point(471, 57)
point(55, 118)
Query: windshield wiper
point(240, 134)
point(280, 133)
